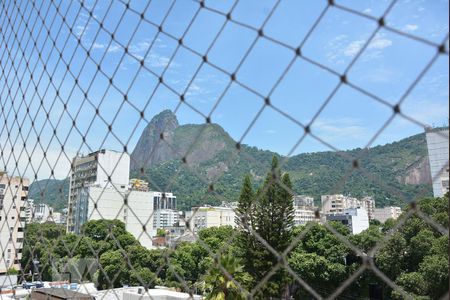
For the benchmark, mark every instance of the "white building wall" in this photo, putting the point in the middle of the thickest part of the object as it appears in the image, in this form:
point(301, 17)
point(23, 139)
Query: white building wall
point(137, 212)
point(438, 154)
point(114, 164)
point(360, 219)
point(109, 202)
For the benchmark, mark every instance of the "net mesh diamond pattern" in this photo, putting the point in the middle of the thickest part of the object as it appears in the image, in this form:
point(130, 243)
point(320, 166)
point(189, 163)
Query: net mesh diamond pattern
point(77, 77)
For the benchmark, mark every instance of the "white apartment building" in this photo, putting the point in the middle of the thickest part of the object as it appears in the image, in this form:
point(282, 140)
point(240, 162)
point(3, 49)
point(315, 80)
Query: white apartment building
point(107, 201)
point(438, 154)
point(304, 209)
point(165, 218)
point(101, 167)
point(389, 212)
point(210, 216)
point(13, 196)
point(356, 219)
point(303, 216)
point(38, 213)
point(336, 204)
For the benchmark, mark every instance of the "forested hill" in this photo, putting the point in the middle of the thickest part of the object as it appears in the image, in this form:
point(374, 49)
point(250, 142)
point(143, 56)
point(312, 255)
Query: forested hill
point(392, 173)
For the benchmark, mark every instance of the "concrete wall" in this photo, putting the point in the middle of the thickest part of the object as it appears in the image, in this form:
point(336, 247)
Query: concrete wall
point(114, 164)
point(437, 143)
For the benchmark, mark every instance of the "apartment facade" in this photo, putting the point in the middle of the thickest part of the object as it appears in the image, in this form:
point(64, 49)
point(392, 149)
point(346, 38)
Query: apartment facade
point(210, 216)
point(304, 209)
point(389, 212)
point(165, 218)
point(13, 197)
point(101, 167)
point(438, 154)
point(337, 204)
point(356, 219)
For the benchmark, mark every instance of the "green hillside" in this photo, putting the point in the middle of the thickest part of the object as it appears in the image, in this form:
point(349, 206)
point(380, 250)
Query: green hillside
point(213, 168)
point(50, 191)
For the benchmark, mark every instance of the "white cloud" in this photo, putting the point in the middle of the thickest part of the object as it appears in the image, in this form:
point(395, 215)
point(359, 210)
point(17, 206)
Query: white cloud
point(114, 48)
point(336, 129)
point(380, 43)
point(353, 48)
point(97, 46)
point(410, 27)
point(372, 51)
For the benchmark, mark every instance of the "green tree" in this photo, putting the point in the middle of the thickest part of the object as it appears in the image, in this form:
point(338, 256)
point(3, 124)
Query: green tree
point(273, 221)
point(222, 285)
point(244, 209)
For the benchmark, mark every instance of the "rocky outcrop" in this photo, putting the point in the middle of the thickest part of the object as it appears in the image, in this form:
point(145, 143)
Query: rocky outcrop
point(151, 149)
point(418, 173)
point(197, 143)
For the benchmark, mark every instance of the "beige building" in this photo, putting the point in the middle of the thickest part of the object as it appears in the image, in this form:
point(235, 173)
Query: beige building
point(337, 204)
point(13, 196)
point(334, 204)
point(389, 212)
point(210, 216)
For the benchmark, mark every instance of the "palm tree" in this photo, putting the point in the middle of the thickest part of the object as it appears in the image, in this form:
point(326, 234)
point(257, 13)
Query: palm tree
point(222, 286)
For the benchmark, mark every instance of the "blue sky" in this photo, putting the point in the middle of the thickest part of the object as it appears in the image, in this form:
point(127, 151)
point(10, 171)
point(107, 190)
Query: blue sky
point(386, 69)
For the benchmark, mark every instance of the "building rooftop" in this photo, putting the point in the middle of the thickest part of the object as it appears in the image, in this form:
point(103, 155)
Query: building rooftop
point(61, 293)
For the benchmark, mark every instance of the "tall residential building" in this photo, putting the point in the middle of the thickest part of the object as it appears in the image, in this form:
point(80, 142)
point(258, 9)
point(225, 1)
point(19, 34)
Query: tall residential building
point(13, 196)
point(437, 144)
point(304, 209)
point(389, 212)
point(100, 167)
point(165, 210)
point(210, 216)
point(356, 219)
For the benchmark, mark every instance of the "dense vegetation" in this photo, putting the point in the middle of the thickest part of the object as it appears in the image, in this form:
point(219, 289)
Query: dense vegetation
point(414, 256)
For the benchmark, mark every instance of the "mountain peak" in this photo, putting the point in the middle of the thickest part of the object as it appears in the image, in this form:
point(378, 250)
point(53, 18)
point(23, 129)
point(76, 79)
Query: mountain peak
point(166, 116)
point(152, 147)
